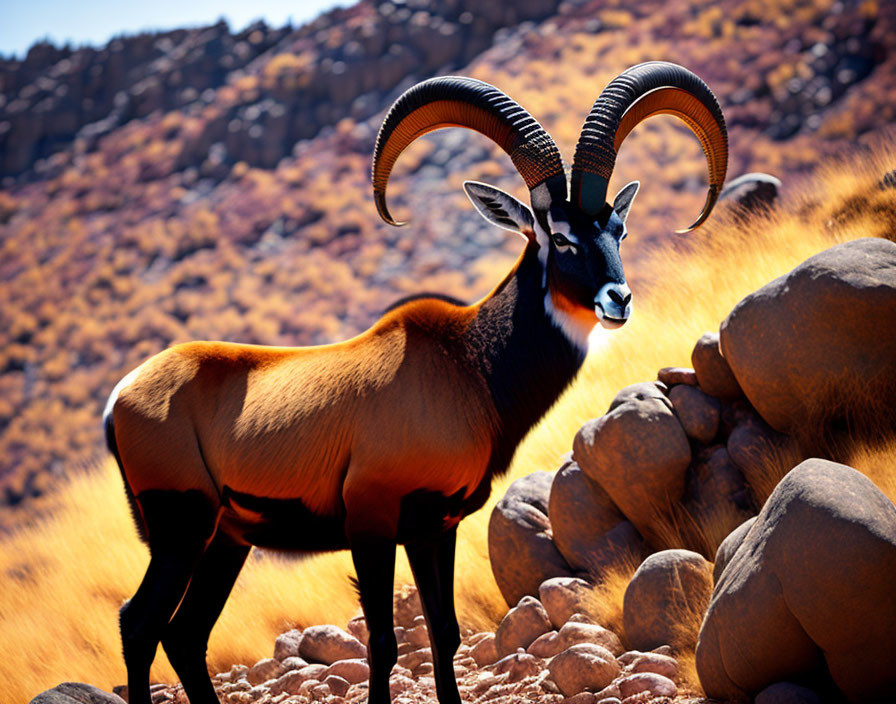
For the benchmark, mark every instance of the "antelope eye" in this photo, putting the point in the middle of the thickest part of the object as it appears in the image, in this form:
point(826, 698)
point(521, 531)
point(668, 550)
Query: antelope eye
point(560, 240)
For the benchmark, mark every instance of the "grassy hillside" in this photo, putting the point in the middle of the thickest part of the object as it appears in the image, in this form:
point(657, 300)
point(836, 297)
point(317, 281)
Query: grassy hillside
point(67, 575)
point(153, 233)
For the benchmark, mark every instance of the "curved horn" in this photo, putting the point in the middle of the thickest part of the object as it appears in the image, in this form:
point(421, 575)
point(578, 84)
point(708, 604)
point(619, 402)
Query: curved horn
point(651, 88)
point(454, 101)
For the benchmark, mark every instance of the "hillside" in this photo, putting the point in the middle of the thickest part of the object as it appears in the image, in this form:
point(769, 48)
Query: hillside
point(218, 187)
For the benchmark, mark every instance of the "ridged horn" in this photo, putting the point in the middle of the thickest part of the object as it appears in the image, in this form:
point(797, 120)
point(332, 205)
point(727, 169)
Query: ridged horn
point(455, 101)
point(651, 88)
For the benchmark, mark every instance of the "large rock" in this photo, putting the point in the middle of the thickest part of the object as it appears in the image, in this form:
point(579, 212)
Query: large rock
point(588, 529)
point(729, 546)
point(638, 452)
point(76, 693)
point(521, 626)
point(520, 548)
point(327, 644)
point(819, 343)
point(751, 193)
point(811, 584)
point(666, 595)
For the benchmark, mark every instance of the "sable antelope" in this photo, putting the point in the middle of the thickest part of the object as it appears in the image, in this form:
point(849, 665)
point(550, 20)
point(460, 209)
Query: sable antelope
point(392, 436)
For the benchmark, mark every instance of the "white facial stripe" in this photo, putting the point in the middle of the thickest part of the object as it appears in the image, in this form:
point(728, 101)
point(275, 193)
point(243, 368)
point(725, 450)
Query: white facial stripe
point(562, 227)
point(574, 332)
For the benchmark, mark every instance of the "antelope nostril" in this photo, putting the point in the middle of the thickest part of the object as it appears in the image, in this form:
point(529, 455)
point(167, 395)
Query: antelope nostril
point(620, 295)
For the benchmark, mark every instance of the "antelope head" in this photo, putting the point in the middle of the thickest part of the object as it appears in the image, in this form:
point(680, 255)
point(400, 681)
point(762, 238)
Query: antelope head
point(576, 230)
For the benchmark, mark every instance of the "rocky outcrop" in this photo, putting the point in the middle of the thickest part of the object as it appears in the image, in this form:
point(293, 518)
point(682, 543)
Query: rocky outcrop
point(346, 62)
point(816, 345)
point(809, 589)
point(520, 548)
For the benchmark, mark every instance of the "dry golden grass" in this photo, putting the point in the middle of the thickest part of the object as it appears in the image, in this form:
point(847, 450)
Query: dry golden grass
point(65, 577)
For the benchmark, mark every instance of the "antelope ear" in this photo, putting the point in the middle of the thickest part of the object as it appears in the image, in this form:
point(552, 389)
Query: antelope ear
point(501, 208)
point(623, 201)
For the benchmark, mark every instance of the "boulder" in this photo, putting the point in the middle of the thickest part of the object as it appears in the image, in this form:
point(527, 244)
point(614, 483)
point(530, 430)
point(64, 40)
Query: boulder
point(76, 693)
point(759, 452)
point(327, 644)
point(520, 547)
point(638, 453)
point(810, 585)
point(713, 373)
point(811, 346)
point(337, 685)
point(697, 412)
point(581, 667)
point(521, 625)
point(729, 546)
point(564, 596)
point(666, 595)
point(587, 528)
point(786, 693)
point(751, 193)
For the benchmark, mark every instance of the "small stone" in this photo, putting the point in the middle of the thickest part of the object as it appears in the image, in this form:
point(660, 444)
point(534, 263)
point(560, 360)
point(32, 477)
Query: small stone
point(677, 375)
point(358, 628)
point(414, 658)
point(406, 605)
point(697, 412)
point(327, 644)
point(287, 644)
point(337, 685)
point(521, 626)
point(581, 667)
point(608, 693)
point(417, 636)
point(293, 662)
point(573, 633)
point(264, 670)
point(353, 671)
point(712, 370)
point(547, 645)
point(657, 685)
point(564, 596)
point(484, 651)
point(656, 663)
point(518, 666)
point(581, 698)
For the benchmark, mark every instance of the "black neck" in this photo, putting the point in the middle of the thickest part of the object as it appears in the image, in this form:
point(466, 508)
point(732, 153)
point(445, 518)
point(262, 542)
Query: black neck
point(524, 357)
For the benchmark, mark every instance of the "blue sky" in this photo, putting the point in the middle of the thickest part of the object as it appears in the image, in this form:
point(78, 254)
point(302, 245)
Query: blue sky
point(22, 22)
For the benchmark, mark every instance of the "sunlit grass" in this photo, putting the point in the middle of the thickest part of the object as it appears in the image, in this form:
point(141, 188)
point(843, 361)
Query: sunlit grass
point(65, 578)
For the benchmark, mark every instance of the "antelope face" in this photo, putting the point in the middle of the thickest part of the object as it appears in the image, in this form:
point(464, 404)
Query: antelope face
point(583, 277)
point(584, 271)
